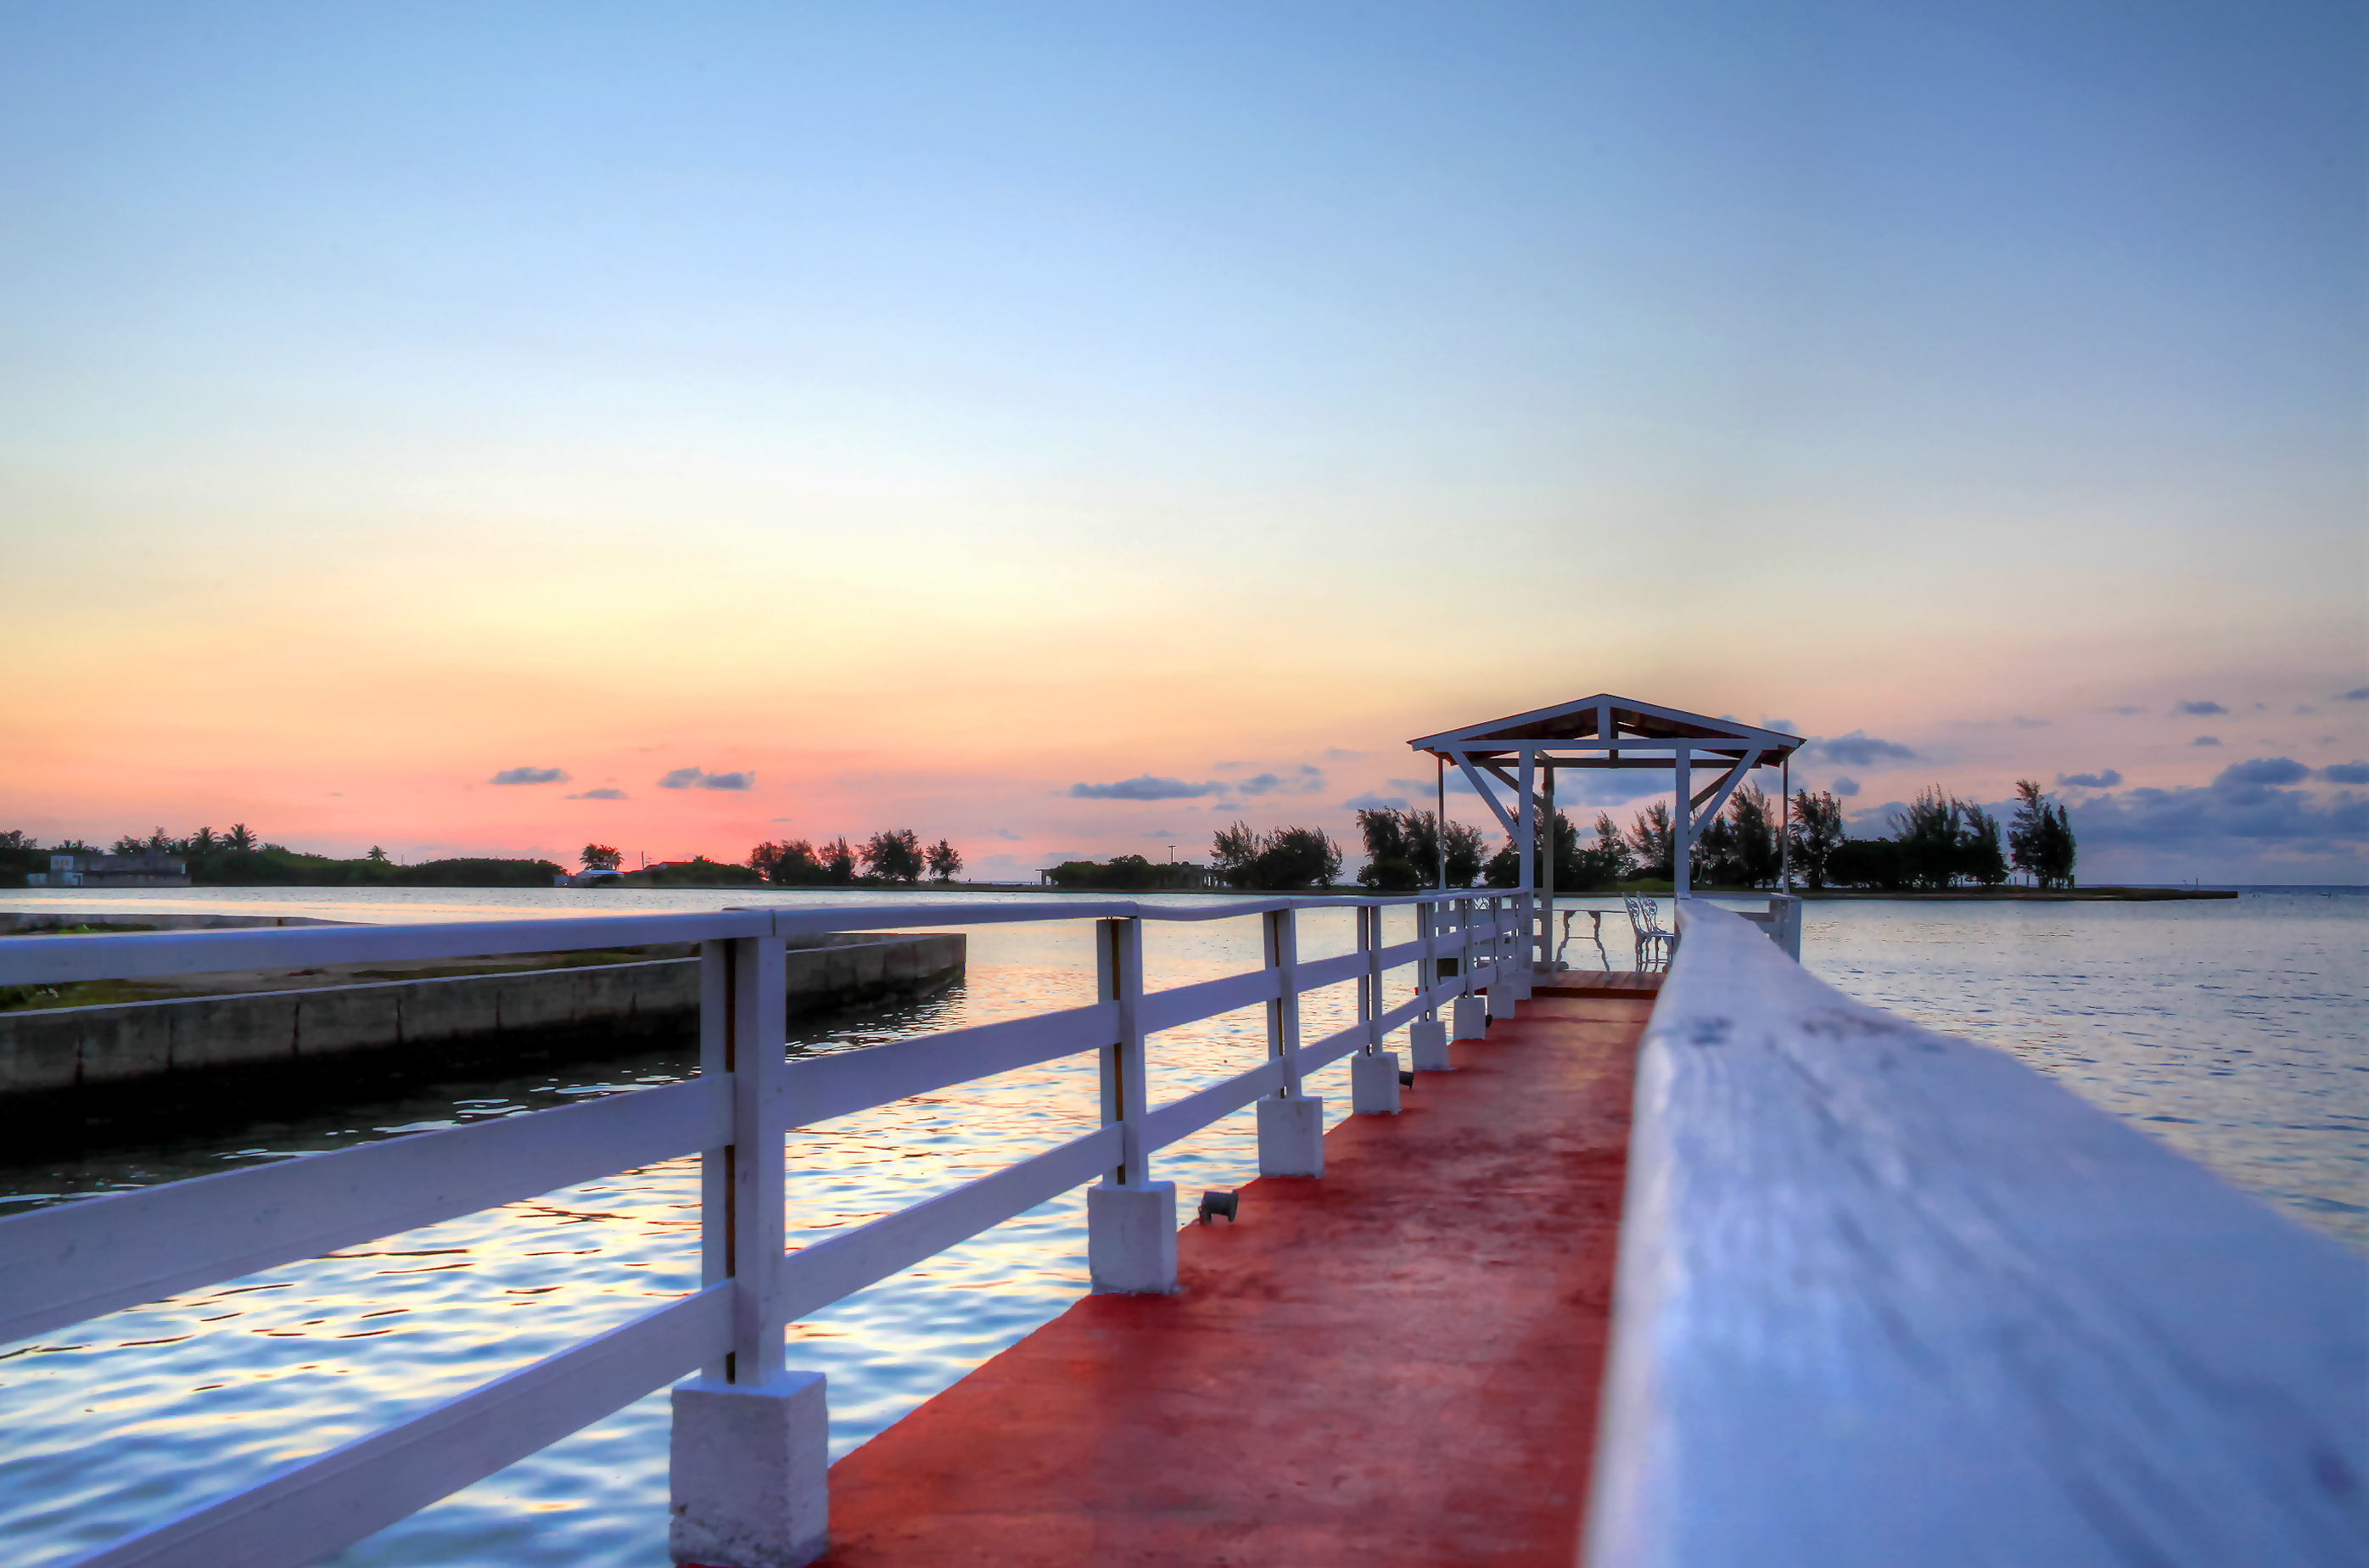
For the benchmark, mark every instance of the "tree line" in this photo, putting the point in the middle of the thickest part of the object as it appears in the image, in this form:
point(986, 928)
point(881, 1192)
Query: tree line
point(1938, 841)
point(894, 855)
point(240, 858)
point(204, 842)
point(1281, 859)
point(1122, 873)
point(1403, 851)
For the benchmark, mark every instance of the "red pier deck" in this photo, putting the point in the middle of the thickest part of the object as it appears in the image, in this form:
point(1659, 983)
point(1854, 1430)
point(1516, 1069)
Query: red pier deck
point(1396, 1363)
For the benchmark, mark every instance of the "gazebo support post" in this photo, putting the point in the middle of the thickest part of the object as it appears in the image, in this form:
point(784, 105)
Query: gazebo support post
point(1682, 838)
point(1439, 820)
point(1526, 834)
point(1546, 881)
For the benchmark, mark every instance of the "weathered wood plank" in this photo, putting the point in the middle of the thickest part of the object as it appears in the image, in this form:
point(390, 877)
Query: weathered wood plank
point(57, 960)
point(1181, 1119)
point(1207, 999)
point(77, 1260)
point(1331, 1049)
point(1891, 1298)
point(313, 1506)
point(1315, 974)
point(819, 1088)
point(846, 1261)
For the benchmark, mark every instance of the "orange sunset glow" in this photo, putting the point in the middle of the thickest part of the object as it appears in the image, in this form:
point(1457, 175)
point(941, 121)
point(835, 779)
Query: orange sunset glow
point(919, 443)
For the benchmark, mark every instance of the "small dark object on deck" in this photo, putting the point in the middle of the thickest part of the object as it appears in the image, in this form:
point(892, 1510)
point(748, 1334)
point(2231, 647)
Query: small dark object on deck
point(1216, 1203)
point(1406, 1080)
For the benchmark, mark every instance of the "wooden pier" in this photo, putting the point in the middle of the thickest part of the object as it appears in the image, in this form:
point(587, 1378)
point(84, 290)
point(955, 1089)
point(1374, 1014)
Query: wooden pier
point(1398, 1362)
point(1883, 1296)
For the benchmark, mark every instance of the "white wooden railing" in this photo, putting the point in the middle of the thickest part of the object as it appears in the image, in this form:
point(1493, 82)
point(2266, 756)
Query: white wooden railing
point(1891, 1298)
point(62, 1264)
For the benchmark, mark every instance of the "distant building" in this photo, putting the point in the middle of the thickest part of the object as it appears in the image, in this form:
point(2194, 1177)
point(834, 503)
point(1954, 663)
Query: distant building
point(149, 868)
point(1156, 876)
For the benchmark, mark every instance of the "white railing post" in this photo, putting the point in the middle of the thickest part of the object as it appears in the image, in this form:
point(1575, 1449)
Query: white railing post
point(1503, 993)
point(759, 1012)
point(1467, 1021)
point(1290, 1125)
point(1130, 1220)
point(1373, 1072)
point(1427, 1035)
point(1427, 916)
point(716, 1164)
point(751, 1441)
point(1785, 924)
point(1369, 984)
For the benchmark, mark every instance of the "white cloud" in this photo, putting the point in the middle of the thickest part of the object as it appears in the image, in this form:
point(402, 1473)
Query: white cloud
point(1859, 749)
point(1143, 787)
point(699, 778)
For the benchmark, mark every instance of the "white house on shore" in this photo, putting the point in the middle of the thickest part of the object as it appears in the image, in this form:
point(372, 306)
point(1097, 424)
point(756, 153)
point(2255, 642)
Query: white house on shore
point(148, 868)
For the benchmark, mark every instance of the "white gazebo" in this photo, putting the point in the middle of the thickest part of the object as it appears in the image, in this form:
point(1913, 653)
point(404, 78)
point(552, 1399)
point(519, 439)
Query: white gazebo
point(1605, 731)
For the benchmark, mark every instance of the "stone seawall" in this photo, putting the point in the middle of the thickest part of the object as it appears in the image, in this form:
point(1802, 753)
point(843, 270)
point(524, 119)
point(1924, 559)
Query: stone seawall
point(132, 917)
point(66, 1070)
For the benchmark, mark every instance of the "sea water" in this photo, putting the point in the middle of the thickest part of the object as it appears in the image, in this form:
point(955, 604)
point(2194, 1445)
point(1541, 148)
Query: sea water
point(2231, 1030)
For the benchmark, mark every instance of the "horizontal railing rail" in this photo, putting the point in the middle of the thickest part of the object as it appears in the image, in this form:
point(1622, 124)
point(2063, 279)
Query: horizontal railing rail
point(361, 1487)
point(73, 1262)
point(819, 1088)
point(77, 1260)
point(1886, 1297)
point(124, 955)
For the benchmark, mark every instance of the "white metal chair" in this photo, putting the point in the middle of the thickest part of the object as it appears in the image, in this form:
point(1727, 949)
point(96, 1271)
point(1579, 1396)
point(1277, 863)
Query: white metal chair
point(1653, 942)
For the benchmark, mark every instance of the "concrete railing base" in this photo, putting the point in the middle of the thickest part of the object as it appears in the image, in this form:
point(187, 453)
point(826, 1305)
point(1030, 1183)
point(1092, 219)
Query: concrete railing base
point(747, 1472)
point(1374, 1083)
point(1291, 1137)
point(1131, 1239)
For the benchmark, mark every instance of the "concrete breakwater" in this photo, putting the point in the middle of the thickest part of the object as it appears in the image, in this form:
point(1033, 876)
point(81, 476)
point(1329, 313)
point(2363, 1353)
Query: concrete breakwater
point(68, 1073)
point(14, 923)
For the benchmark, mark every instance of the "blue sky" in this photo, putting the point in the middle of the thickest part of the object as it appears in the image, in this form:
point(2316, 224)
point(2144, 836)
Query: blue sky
point(923, 410)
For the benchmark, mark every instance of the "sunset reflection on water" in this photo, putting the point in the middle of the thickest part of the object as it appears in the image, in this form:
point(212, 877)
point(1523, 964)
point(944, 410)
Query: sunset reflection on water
point(133, 1417)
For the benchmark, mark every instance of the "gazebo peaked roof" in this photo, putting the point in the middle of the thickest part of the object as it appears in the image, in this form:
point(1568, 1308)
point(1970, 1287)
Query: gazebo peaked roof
point(1605, 731)
point(1653, 728)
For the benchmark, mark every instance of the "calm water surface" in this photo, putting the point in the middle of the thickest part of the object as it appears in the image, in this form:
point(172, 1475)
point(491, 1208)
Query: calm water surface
point(2230, 1030)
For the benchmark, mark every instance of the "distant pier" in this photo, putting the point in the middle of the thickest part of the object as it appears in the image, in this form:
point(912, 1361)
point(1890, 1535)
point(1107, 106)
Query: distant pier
point(280, 1039)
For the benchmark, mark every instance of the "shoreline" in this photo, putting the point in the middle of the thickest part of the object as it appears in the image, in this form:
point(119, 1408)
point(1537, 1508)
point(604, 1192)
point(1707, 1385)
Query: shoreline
point(28, 921)
point(2023, 894)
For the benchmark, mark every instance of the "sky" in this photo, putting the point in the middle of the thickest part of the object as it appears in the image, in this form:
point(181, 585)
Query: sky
point(491, 430)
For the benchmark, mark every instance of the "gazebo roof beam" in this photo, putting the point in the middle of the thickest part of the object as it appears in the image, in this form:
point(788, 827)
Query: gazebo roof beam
point(1653, 756)
point(1580, 725)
